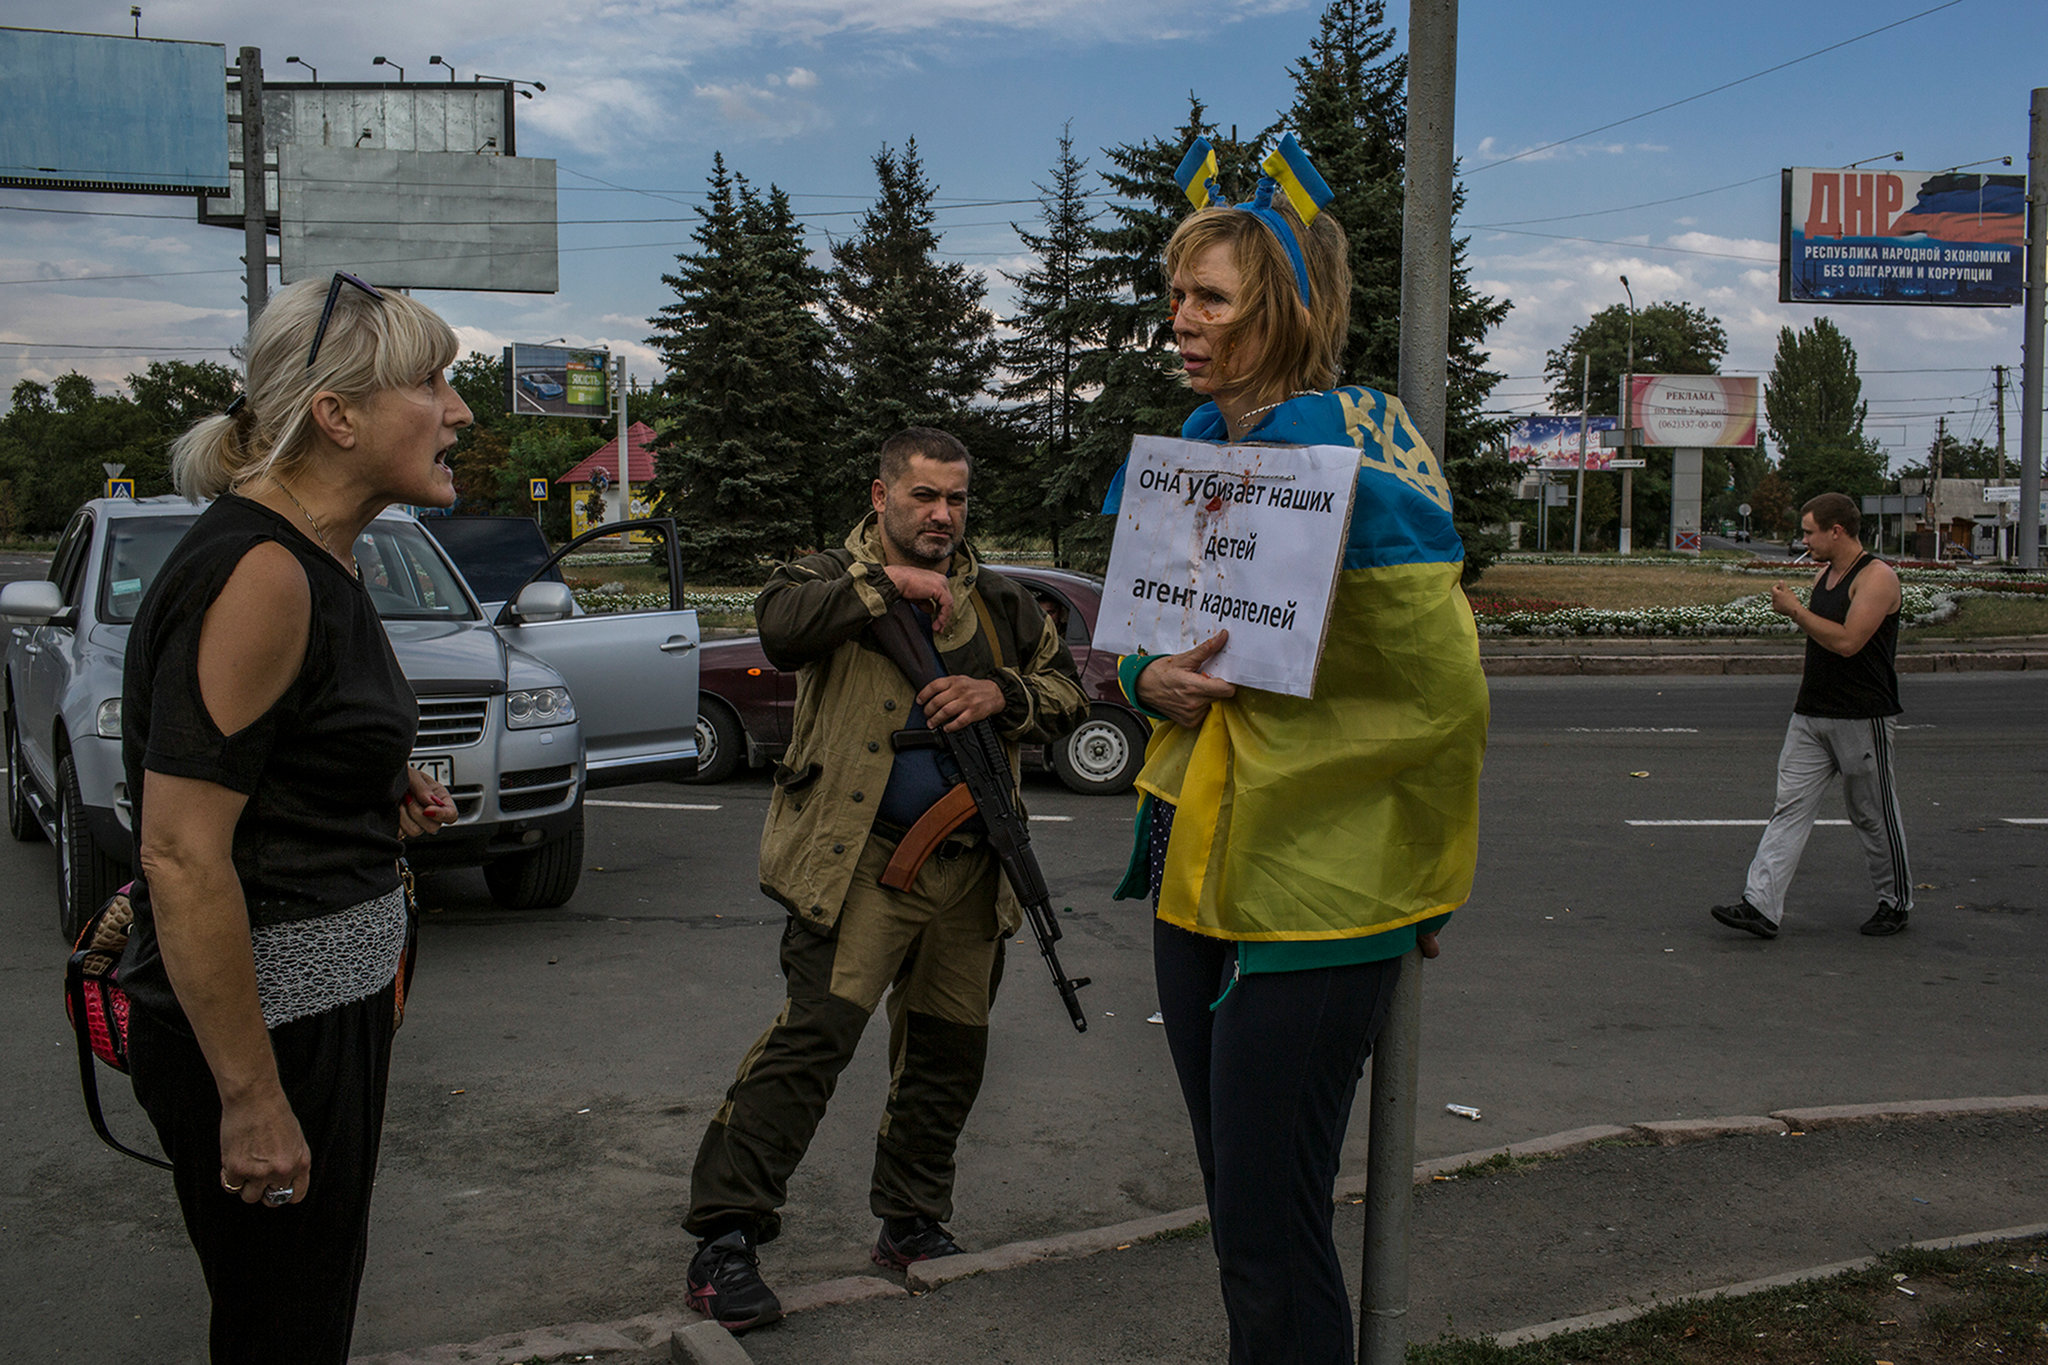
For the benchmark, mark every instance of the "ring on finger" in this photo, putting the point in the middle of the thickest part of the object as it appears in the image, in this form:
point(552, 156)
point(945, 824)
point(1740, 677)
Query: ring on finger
point(279, 1197)
point(231, 1189)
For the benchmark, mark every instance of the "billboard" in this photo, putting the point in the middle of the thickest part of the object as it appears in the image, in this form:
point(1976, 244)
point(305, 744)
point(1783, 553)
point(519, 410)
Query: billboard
point(1553, 442)
point(474, 118)
point(1694, 409)
point(553, 381)
point(1949, 238)
point(133, 115)
point(419, 220)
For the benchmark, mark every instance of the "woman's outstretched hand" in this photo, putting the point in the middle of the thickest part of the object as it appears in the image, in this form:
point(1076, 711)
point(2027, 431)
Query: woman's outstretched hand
point(1177, 688)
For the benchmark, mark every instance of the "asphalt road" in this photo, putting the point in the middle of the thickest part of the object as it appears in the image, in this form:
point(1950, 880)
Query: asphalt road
point(556, 1069)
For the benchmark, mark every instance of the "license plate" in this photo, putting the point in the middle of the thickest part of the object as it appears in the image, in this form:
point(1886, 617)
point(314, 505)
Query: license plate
point(440, 767)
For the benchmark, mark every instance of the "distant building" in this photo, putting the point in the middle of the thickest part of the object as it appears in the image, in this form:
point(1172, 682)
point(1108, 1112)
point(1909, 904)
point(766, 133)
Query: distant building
point(1965, 517)
point(602, 466)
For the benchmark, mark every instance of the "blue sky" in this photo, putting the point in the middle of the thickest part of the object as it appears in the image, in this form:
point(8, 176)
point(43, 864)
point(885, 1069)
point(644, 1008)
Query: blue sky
point(803, 92)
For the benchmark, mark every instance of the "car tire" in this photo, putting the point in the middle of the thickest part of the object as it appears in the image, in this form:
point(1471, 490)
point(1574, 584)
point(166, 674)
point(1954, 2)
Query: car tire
point(21, 817)
point(721, 742)
point(1103, 756)
point(86, 876)
point(542, 879)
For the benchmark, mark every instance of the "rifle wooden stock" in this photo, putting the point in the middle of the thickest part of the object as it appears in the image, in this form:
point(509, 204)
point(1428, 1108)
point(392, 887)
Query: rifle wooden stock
point(985, 777)
point(951, 811)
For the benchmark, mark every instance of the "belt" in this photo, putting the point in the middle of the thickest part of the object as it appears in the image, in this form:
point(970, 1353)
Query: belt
point(954, 846)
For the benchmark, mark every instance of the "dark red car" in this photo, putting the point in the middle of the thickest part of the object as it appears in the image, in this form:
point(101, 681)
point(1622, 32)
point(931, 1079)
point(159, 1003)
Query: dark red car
point(745, 702)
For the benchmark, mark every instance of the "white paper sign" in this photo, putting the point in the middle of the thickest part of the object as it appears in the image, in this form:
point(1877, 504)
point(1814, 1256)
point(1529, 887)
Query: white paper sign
point(1247, 539)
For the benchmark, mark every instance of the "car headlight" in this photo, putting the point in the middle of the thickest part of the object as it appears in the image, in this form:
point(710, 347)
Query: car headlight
point(539, 706)
point(108, 723)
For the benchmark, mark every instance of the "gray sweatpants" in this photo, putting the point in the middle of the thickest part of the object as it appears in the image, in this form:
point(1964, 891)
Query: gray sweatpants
point(1816, 748)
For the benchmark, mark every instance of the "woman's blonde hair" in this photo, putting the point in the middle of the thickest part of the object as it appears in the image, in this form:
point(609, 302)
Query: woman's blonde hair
point(1297, 346)
point(386, 342)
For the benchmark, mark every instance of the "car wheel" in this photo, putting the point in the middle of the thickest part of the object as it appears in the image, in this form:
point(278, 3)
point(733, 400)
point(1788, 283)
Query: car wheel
point(721, 742)
point(86, 876)
point(1101, 758)
point(542, 879)
point(21, 818)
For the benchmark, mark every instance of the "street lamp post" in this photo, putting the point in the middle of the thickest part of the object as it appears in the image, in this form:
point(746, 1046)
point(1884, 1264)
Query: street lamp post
point(435, 60)
point(1628, 425)
point(385, 61)
point(294, 61)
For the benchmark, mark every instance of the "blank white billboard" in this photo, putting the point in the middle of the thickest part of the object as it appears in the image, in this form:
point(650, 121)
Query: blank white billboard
point(83, 112)
point(419, 220)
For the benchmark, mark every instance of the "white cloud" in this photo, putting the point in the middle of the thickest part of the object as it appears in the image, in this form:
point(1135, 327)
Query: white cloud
point(801, 78)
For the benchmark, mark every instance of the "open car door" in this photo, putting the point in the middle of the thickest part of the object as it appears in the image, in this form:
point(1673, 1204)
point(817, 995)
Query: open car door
point(631, 673)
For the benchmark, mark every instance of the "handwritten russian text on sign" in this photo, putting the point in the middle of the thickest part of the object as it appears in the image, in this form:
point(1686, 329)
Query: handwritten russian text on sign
point(1247, 539)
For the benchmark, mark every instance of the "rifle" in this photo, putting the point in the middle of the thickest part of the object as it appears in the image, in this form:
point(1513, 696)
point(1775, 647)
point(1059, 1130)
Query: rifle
point(984, 789)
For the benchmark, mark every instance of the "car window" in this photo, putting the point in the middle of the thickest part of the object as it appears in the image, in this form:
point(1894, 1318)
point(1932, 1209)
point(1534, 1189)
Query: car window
point(67, 564)
point(496, 554)
point(136, 550)
point(406, 576)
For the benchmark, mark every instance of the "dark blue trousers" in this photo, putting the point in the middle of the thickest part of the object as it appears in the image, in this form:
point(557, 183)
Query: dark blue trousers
point(1268, 1077)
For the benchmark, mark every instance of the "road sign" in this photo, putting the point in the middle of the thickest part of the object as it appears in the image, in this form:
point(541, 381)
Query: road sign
point(121, 488)
point(1997, 494)
point(537, 489)
point(1743, 510)
point(1627, 464)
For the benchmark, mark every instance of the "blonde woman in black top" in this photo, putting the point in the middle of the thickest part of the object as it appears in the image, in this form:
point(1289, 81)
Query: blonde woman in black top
point(267, 738)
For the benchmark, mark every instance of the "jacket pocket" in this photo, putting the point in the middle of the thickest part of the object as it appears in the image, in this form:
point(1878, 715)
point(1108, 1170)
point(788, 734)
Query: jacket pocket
point(794, 780)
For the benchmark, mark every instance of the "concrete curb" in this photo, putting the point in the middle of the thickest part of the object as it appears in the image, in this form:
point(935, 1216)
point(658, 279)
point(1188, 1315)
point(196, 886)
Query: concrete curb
point(691, 1345)
point(1587, 1321)
point(1733, 665)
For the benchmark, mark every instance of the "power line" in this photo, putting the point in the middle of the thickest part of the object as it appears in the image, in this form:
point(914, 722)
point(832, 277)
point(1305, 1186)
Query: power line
point(1728, 85)
point(1639, 246)
point(1626, 208)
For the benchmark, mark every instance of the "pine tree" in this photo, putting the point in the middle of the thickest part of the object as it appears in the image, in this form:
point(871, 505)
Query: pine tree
point(746, 385)
point(1813, 402)
point(1350, 114)
point(1058, 320)
point(913, 344)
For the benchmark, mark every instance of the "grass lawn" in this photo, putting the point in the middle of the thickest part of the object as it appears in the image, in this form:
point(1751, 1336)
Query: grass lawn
point(1982, 1303)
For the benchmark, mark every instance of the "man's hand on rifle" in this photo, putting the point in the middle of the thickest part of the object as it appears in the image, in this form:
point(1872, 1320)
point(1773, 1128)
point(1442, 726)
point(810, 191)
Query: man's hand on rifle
point(1177, 688)
point(926, 588)
point(955, 702)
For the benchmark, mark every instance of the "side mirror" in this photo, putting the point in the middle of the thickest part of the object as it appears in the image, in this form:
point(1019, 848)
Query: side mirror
point(31, 603)
point(541, 602)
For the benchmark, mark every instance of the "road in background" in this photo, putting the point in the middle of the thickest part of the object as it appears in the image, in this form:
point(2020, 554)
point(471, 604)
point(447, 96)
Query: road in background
point(557, 1069)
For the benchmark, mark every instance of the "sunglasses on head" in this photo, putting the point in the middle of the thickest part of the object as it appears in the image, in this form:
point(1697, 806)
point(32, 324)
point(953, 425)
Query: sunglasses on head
point(341, 277)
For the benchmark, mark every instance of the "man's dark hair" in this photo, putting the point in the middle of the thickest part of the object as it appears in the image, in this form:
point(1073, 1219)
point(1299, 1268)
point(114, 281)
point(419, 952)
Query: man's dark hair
point(929, 442)
point(1830, 510)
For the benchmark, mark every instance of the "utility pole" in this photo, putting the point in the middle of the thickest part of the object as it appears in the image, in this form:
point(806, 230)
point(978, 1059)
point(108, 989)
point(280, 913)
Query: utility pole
point(1425, 351)
point(255, 202)
point(1585, 416)
point(1628, 427)
point(2037, 302)
point(1934, 484)
point(1998, 373)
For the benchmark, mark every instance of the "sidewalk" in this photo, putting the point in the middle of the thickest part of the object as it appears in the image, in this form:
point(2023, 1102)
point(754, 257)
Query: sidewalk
point(1591, 1221)
point(1587, 656)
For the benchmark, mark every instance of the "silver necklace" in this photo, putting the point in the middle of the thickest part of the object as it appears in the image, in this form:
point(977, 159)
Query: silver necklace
point(313, 522)
point(1246, 419)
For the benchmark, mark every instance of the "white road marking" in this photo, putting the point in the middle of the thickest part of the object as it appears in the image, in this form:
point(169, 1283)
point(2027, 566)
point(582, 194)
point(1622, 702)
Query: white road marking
point(1758, 824)
point(2025, 820)
point(1630, 730)
point(1055, 819)
point(649, 805)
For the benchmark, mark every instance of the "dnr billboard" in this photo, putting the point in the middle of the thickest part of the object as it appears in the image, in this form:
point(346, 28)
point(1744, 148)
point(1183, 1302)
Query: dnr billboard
point(1949, 238)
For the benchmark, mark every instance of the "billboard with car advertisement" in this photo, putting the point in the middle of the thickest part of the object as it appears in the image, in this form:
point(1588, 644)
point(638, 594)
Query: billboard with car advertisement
point(556, 381)
point(1553, 442)
point(1694, 409)
point(1951, 238)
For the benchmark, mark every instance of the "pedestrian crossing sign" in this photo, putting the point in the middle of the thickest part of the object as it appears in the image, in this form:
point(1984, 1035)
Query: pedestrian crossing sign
point(537, 489)
point(121, 488)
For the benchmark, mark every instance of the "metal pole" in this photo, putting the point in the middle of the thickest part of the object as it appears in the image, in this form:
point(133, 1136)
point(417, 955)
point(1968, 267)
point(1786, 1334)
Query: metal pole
point(2004, 551)
point(255, 205)
point(2037, 302)
point(1425, 348)
point(1585, 416)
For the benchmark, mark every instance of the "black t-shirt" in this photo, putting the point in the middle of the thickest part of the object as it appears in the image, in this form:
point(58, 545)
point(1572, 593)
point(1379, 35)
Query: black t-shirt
point(1866, 683)
point(324, 768)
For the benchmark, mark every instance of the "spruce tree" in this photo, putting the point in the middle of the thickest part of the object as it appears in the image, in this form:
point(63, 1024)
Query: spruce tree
point(1057, 320)
point(746, 384)
point(1813, 402)
point(913, 343)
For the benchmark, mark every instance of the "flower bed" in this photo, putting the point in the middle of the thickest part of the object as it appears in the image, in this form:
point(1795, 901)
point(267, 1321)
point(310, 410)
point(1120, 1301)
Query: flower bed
point(1748, 615)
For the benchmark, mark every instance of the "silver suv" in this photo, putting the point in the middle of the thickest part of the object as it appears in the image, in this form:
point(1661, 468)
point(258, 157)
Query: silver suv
point(520, 711)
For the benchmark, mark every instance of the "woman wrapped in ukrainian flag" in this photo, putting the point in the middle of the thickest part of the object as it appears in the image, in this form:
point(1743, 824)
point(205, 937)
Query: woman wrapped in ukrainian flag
point(1297, 849)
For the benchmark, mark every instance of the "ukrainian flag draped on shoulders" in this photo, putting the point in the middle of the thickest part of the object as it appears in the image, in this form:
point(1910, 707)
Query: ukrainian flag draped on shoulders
point(1357, 811)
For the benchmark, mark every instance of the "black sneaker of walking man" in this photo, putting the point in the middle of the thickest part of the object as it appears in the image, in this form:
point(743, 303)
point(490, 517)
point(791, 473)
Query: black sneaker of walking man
point(1889, 919)
point(906, 1241)
point(1743, 915)
point(726, 1285)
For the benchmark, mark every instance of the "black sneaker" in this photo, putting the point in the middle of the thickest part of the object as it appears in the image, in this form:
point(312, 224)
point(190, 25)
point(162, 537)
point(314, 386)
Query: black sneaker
point(726, 1286)
point(1889, 919)
point(906, 1241)
point(1743, 915)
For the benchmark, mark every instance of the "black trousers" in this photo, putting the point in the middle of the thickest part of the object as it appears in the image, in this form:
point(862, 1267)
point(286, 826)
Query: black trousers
point(283, 1281)
point(1268, 1077)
